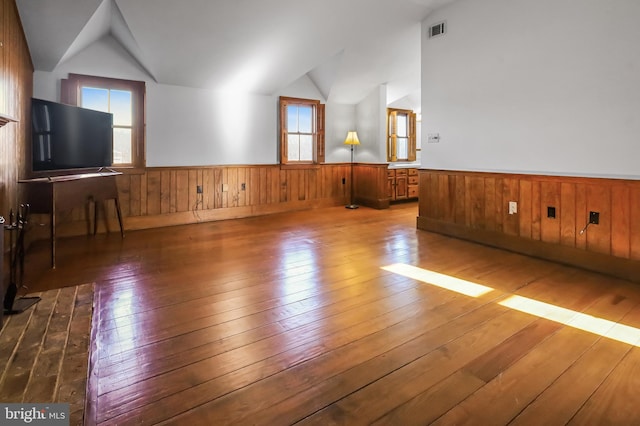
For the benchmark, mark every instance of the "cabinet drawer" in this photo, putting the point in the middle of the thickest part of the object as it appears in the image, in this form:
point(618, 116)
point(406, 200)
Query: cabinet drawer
point(401, 172)
point(391, 173)
point(413, 180)
point(412, 191)
point(413, 172)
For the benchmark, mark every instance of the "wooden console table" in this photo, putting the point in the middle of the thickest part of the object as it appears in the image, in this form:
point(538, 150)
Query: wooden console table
point(60, 193)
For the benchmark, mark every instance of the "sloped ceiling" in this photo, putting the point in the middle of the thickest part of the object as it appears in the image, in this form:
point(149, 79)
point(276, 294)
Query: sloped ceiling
point(346, 47)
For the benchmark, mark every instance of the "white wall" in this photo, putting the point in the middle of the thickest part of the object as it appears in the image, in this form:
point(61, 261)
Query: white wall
point(191, 127)
point(195, 127)
point(545, 86)
point(340, 118)
point(371, 126)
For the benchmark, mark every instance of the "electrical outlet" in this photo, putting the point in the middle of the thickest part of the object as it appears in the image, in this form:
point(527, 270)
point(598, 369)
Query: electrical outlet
point(551, 212)
point(243, 187)
point(344, 181)
point(594, 218)
point(225, 187)
point(199, 189)
point(513, 207)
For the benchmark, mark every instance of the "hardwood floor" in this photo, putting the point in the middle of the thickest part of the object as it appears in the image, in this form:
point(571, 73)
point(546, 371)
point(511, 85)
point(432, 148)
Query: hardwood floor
point(337, 316)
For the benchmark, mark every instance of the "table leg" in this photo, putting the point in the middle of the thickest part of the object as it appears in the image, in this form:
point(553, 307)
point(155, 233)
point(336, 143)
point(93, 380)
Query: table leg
point(119, 217)
point(94, 203)
point(53, 237)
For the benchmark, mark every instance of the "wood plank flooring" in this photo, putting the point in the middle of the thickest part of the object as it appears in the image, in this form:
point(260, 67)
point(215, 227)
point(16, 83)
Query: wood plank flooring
point(291, 319)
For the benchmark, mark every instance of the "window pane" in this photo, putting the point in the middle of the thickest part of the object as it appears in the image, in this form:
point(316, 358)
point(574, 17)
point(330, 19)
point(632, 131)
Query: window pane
point(403, 148)
point(121, 107)
point(402, 125)
point(293, 148)
point(94, 98)
point(306, 148)
point(122, 146)
point(292, 118)
point(305, 120)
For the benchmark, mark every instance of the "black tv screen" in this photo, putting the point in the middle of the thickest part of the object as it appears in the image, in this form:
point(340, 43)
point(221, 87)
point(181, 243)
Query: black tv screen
point(69, 137)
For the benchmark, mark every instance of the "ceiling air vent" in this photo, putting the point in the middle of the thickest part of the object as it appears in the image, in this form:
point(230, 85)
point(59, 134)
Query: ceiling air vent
point(437, 30)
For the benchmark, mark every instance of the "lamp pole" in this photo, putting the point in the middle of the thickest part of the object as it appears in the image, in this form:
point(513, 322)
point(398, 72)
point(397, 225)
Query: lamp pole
point(351, 205)
point(352, 139)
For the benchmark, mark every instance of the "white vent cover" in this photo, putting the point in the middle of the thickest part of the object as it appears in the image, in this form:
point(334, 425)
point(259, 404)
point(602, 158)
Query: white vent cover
point(437, 30)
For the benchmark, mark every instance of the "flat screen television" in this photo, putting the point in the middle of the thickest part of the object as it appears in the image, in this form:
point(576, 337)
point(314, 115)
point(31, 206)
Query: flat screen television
point(69, 137)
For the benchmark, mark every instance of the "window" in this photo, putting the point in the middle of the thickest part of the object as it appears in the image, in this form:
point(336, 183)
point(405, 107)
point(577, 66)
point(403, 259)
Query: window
point(301, 131)
point(125, 100)
point(401, 135)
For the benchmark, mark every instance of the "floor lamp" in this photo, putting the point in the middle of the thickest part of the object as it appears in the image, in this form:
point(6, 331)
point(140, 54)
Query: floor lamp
point(352, 140)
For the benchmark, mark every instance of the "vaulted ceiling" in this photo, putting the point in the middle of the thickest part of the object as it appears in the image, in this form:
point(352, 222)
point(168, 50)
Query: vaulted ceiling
point(346, 47)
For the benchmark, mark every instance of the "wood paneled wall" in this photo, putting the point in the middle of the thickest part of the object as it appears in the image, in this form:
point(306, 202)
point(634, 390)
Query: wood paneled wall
point(169, 195)
point(16, 88)
point(475, 206)
point(166, 196)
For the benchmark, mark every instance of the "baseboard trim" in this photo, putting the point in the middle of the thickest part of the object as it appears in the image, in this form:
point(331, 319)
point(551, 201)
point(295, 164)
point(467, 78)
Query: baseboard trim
point(374, 203)
point(610, 265)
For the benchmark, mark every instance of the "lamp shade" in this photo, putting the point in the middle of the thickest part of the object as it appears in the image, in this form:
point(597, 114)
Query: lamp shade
point(352, 138)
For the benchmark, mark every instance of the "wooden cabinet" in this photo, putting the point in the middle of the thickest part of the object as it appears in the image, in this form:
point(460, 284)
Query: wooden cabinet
point(402, 184)
point(412, 183)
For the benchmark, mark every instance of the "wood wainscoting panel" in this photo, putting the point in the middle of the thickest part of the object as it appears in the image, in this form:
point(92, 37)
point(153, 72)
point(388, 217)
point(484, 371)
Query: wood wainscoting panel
point(550, 196)
point(155, 192)
point(370, 182)
point(458, 206)
point(634, 223)
point(490, 204)
point(476, 202)
point(620, 203)
point(567, 214)
point(165, 196)
point(475, 205)
point(599, 200)
point(524, 209)
point(511, 188)
point(581, 215)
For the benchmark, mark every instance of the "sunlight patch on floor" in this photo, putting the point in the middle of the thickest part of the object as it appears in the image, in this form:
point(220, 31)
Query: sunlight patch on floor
point(609, 329)
point(600, 326)
point(440, 280)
